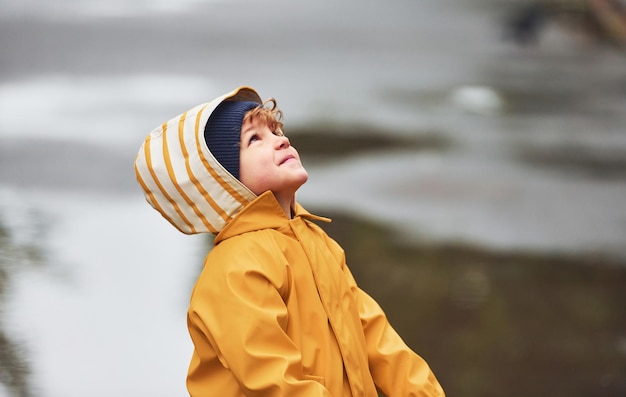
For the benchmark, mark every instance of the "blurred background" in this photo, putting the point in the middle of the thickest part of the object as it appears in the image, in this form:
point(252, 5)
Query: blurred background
point(471, 153)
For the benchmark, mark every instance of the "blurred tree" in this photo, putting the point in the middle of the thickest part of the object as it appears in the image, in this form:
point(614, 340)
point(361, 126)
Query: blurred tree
point(14, 368)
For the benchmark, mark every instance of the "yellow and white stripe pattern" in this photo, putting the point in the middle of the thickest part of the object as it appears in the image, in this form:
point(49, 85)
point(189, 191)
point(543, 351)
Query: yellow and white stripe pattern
point(180, 177)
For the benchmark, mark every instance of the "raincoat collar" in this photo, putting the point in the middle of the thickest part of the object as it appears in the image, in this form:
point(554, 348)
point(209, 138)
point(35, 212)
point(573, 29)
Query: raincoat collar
point(264, 212)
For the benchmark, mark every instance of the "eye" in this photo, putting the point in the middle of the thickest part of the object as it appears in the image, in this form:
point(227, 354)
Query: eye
point(253, 138)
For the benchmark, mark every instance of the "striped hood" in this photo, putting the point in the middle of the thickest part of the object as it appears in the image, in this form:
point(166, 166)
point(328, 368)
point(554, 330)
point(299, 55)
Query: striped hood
point(182, 179)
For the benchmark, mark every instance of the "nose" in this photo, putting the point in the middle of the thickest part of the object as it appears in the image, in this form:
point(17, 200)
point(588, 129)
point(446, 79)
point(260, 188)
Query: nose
point(282, 142)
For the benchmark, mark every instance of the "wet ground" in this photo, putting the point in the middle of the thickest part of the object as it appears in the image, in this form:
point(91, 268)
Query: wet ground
point(498, 323)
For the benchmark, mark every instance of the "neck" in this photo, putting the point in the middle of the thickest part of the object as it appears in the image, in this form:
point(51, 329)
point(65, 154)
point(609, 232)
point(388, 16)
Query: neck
point(286, 203)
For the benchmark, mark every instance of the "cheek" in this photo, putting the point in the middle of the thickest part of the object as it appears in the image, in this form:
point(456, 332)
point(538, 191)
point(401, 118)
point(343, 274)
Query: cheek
point(253, 174)
point(252, 182)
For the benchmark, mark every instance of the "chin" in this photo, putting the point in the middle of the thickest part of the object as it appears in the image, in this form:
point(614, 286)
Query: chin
point(304, 177)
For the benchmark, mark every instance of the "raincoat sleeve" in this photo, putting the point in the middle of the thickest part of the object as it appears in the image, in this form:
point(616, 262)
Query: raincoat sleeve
point(395, 368)
point(237, 315)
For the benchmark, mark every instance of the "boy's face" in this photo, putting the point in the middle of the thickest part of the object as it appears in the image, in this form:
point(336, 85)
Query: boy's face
point(269, 162)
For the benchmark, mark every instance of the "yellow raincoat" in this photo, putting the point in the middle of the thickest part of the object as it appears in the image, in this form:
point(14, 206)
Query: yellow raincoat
point(275, 311)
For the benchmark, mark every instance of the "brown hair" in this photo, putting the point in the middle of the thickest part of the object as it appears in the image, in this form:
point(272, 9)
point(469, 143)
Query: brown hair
point(269, 114)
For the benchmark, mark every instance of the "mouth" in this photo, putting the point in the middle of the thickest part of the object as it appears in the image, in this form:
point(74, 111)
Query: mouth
point(287, 158)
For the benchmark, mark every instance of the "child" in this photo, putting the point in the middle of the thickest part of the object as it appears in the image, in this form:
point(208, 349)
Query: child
point(275, 310)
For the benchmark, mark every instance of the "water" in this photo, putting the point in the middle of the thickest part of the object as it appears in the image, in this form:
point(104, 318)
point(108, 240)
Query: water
point(106, 302)
point(537, 161)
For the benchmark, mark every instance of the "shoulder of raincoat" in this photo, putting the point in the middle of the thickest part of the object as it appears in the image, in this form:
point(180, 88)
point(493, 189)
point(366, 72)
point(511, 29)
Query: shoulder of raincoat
point(275, 310)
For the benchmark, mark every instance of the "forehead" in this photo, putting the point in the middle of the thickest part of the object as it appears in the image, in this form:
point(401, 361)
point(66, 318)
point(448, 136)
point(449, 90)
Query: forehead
point(253, 124)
